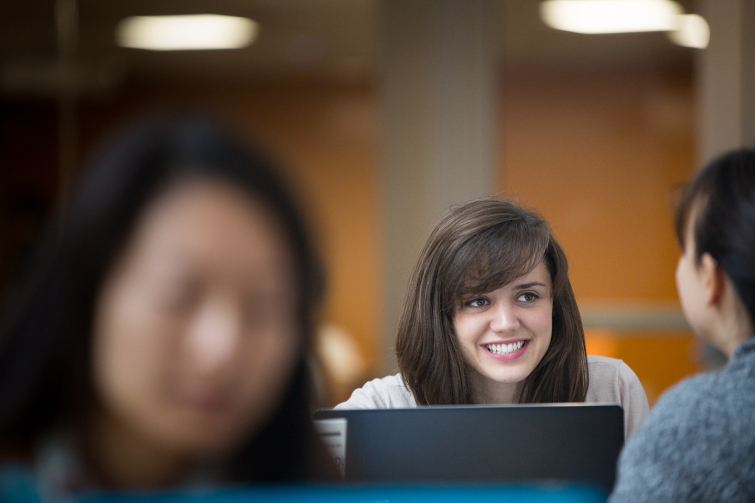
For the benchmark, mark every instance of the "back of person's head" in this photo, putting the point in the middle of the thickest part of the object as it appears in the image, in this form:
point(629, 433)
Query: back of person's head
point(479, 247)
point(194, 208)
point(721, 199)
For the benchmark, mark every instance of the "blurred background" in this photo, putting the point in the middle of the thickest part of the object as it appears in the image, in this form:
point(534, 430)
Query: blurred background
point(384, 113)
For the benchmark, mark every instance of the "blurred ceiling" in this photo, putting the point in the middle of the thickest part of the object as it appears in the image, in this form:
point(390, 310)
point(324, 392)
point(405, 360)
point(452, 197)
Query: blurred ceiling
point(303, 39)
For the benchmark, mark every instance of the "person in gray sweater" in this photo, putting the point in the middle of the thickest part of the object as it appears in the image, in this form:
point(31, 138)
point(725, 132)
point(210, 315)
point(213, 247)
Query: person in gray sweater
point(697, 443)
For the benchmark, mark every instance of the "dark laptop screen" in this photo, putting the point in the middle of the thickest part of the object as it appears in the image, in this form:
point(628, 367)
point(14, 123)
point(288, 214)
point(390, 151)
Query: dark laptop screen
point(508, 443)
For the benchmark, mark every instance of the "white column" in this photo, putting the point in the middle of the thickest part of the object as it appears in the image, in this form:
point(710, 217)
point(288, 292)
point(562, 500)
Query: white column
point(726, 79)
point(438, 127)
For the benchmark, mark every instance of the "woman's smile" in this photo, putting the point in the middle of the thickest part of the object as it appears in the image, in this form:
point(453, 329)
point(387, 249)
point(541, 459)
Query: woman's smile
point(503, 351)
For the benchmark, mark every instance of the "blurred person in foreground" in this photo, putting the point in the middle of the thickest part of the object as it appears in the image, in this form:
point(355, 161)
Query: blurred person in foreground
point(163, 339)
point(697, 444)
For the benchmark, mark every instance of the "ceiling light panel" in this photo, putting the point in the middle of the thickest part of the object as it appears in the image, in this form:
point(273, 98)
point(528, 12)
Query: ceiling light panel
point(610, 16)
point(691, 31)
point(190, 32)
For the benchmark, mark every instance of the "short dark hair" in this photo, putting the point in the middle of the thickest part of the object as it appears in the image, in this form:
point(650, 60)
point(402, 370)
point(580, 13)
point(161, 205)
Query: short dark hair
point(45, 344)
point(479, 247)
point(722, 196)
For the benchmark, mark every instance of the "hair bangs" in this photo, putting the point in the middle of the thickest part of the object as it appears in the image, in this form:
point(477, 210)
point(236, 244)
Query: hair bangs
point(496, 257)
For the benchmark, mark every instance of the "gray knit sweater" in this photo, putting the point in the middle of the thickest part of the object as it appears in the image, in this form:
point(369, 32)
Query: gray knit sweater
point(698, 442)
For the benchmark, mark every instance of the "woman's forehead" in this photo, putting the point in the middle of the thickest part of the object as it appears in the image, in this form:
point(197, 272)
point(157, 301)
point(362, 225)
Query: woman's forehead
point(539, 274)
point(481, 281)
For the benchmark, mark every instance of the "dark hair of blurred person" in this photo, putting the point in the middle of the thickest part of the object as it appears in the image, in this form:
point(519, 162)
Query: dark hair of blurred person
point(697, 442)
point(163, 338)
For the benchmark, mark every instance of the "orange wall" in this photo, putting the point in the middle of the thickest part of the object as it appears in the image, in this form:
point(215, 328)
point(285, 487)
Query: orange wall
point(597, 154)
point(659, 359)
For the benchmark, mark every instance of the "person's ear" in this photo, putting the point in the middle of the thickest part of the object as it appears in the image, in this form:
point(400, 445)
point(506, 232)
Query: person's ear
point(713, 279)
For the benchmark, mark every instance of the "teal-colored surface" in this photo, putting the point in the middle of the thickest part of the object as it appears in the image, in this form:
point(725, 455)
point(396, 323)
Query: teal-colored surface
point(368, 494)
point(17, 485)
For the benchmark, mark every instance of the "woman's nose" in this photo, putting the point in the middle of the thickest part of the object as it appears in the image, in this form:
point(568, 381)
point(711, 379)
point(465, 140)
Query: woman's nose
point(213, 339)
point(504, 318)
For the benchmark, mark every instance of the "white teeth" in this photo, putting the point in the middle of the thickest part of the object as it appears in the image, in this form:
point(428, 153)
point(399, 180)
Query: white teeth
point(505, 349)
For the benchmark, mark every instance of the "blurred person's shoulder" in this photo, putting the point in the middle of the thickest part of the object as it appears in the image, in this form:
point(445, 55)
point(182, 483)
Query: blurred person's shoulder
point(690, 398)
point(696, 443)
point(726, 394)
point(382, 393)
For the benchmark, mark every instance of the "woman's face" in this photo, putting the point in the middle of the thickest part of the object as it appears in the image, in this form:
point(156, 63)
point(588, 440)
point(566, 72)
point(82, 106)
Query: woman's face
point(504, 334)
point(195, 329)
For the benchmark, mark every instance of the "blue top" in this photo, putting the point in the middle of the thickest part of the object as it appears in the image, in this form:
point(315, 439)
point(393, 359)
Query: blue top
point(698, 442)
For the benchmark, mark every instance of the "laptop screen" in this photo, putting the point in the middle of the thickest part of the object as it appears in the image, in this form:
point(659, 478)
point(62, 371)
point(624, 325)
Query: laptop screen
point(506, 443)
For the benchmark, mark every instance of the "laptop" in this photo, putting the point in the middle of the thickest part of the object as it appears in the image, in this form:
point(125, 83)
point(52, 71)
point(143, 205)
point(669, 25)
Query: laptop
point(529, 443)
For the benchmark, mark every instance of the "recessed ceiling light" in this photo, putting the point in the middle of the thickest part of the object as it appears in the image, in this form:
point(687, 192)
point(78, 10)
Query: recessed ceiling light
point(610, 16)
point(691, 31)
point(191, 32)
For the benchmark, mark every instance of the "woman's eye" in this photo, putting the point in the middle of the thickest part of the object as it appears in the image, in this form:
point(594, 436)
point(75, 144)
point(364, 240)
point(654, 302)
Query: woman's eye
point(528, 297)
point(477, 303)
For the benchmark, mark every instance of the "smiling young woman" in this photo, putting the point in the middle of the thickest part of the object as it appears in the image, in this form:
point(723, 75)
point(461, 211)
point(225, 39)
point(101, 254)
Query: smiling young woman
point(490, 318)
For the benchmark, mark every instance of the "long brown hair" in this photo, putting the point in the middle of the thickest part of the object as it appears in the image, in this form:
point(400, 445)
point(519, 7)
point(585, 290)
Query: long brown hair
point(480, 247)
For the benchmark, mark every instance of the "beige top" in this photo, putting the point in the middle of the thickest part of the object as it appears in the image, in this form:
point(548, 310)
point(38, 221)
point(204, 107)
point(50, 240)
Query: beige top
point(611, 381)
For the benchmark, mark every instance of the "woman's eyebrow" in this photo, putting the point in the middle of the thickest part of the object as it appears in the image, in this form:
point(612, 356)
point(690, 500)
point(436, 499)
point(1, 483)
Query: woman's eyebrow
point(524, 286)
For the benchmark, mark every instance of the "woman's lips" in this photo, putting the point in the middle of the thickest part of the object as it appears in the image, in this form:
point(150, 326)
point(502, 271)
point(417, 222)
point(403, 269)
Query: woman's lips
point(205, 401)
point(506, 351)
point(208, 404)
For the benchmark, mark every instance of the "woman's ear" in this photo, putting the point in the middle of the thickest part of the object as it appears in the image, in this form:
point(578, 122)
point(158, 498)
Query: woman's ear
point(712, 278)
